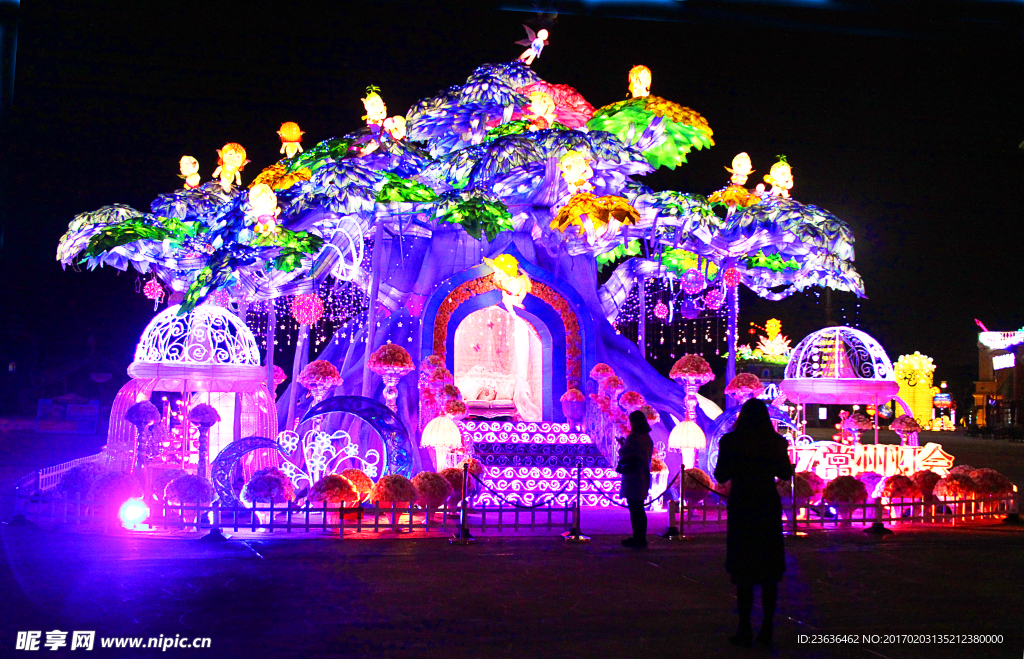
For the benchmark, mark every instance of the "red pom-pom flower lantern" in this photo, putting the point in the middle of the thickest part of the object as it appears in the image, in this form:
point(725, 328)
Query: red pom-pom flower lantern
point(307, 308)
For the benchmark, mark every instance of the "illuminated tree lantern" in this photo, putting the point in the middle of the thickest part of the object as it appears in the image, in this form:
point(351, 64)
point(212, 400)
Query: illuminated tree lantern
point(693, 281)
point(307, 308)
point(714, 299)
point(731, 276)
point(661, 311)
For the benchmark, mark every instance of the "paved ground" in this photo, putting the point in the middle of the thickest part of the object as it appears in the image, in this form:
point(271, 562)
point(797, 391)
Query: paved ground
point(507, 596)
point(521, 597)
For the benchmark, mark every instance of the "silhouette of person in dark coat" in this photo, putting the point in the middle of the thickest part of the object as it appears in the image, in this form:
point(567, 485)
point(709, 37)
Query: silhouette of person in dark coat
point(752, 456)
point(635, 466)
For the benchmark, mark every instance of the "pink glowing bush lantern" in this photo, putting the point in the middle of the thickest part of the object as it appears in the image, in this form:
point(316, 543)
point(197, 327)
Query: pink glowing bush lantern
point(692, 368)
point(632, 401)
point(744, 387)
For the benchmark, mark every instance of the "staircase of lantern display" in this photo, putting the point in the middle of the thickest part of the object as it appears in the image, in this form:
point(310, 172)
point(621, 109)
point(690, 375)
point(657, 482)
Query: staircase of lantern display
point(528, 462)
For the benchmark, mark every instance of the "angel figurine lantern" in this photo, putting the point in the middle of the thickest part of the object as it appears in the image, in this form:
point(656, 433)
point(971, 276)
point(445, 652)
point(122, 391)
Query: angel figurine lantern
point(391, 362)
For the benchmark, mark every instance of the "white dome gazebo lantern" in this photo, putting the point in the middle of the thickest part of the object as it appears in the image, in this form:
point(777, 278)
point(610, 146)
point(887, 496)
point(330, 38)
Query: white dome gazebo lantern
point(839, 366)
point(209, 356)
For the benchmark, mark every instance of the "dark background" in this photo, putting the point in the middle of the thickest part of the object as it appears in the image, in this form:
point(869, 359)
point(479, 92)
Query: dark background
point(903, 119)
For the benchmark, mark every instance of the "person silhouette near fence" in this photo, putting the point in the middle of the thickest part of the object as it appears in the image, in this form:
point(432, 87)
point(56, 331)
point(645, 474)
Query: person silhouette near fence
point(752, 456)
point(635, 453)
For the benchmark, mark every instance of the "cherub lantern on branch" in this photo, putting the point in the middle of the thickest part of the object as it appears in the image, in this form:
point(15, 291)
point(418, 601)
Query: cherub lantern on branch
point(692, 371)
point(230, 161)
point(189, 167)
point(291, 139)
point(534, 43)
point(514, 285)
point(264, 206)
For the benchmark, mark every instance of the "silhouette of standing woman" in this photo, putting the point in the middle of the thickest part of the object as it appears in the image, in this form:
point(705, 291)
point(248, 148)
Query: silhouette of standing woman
point(635, 467)
point(752, 456)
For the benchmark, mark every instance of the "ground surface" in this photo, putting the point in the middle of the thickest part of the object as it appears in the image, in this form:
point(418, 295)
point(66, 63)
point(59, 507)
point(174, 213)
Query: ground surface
point(509, 596)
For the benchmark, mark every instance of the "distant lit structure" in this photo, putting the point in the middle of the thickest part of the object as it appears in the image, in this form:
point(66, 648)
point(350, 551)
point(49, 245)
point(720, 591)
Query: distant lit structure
point(997, 389)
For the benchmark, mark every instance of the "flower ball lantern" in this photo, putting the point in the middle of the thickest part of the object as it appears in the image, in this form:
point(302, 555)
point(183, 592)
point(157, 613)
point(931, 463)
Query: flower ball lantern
point(744, 387)
point(279, 375)
point(731, 277)
point(661, 311)
point(693, 281)
point(601, 372)
point(651, 414)
point(714, 299)
point(391, 362)
point(455, 409)
point(307, 308)
point(154, 291)
point(574, 405)
point(612, 387)
point(632, 401)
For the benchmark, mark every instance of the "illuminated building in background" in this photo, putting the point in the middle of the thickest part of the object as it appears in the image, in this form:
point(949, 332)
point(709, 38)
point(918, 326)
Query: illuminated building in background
point(996, 391)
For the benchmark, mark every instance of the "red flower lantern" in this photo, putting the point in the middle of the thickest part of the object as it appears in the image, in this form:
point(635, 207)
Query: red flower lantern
point(731, 276)
point(307, 308)
point(153, 290)
point(660, 311)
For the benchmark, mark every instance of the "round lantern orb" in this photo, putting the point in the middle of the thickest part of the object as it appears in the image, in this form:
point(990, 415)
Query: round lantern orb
point(693, 281)
point(441, 433)
point(687, 434)
point(660, 311)
point(731, 276)
point(689, 309)
point(307, 308)
point(714, 299)
point(153, 290)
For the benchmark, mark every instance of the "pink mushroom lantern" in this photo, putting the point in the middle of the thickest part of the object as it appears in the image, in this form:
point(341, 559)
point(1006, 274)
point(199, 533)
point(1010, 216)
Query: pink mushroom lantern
point(391, 361)
point(744, 387)
point(632, 401)
point(692, 371)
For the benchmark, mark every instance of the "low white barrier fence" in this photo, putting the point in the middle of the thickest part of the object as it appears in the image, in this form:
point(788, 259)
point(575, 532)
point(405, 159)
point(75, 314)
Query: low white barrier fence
point(48, 509)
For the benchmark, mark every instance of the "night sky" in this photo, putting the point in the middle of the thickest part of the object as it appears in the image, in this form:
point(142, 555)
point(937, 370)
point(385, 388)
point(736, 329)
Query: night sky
point(905, 126)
